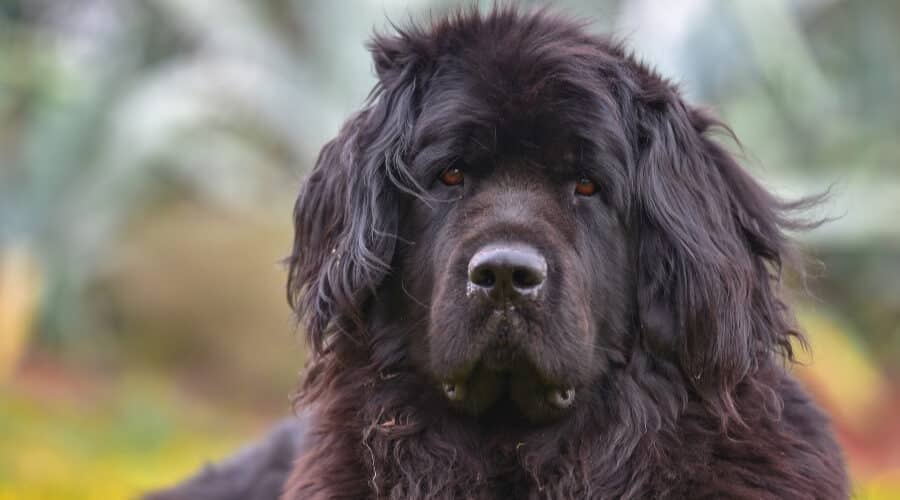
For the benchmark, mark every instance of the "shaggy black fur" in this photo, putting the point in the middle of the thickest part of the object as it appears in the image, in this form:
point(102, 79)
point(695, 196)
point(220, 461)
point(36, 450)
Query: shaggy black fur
point(659, 309)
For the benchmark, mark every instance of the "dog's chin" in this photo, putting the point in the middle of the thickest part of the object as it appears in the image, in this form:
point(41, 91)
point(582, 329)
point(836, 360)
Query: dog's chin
point(489, 365)
point(506, 386)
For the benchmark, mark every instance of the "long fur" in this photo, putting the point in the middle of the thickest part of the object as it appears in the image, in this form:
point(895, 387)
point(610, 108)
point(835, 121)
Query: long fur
point(696, 402)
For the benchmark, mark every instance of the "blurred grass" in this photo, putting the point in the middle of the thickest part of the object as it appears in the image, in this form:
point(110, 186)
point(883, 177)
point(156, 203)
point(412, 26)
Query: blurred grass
point(67, 438)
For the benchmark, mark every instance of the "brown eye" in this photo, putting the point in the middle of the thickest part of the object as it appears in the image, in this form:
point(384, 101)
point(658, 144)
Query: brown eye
point(452, 176)
point(585, 187)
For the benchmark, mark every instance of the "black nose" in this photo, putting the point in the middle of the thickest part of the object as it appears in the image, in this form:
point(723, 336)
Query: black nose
point(507, 271)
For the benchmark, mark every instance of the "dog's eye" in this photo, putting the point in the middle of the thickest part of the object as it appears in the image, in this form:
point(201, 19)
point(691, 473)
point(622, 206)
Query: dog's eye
point(585, 187)
point(452, 176)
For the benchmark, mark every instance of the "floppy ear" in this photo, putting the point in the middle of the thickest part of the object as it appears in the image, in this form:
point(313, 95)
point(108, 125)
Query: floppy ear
point(346, 215)
point(710, 251)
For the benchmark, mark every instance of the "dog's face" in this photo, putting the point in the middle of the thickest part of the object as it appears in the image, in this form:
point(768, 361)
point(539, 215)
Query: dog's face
point(514, 261)
point(521, 210)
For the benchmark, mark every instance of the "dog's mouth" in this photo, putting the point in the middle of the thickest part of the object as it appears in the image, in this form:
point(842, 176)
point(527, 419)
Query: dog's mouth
point(504, 375)
point(508, 386)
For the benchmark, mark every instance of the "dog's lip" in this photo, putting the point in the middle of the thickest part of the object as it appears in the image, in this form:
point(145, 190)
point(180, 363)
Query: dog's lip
point(454, 391)
point(561, 397)
point(501, 365)
point(554, 397)
point(501, 348)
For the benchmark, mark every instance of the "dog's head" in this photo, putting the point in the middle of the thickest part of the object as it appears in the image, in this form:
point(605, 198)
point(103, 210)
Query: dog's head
point(521, 209)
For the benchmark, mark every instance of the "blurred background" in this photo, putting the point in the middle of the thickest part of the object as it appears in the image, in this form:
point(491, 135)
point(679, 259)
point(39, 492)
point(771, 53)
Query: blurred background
point(150, 151)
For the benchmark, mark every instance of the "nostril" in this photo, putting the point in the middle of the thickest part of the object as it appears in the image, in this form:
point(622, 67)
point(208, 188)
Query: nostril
point(483, 277)
point(527, 277)
point(507, 271)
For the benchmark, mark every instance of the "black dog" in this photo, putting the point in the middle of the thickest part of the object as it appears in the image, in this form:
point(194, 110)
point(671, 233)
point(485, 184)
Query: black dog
point(526, 271)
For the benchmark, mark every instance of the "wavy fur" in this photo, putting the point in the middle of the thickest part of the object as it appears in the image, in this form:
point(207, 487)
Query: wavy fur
point(692, 400)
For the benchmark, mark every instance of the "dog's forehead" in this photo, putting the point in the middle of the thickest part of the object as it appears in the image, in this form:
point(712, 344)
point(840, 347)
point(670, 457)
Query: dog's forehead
point(517, 154)
point(462, 119)
point(535, 96)
point(500, 148)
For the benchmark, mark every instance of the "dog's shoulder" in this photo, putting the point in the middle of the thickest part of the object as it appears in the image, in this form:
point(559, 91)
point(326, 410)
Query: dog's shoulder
point(781, 451)
point(258, 472)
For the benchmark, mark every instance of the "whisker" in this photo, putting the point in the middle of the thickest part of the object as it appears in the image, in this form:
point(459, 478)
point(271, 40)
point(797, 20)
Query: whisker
point(405, 291)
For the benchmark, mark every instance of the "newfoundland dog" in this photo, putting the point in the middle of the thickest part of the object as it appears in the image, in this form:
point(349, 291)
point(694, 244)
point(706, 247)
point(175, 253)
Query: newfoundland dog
point(526, 270)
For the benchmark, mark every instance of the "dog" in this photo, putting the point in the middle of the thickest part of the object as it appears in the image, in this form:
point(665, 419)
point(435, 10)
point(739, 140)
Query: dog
point(526, 269)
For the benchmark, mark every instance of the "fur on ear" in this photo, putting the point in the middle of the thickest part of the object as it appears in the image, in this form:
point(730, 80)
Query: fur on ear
point(346, 215)
point(711, 251)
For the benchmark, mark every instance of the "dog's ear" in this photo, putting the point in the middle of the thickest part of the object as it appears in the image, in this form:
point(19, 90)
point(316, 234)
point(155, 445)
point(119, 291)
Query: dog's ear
point(710, 251)
point(346, 215)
